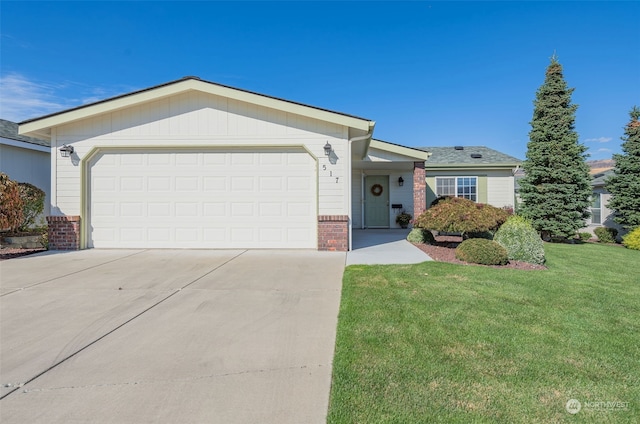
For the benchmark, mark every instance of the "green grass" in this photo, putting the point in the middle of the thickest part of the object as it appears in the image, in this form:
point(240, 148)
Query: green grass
point(439, 342)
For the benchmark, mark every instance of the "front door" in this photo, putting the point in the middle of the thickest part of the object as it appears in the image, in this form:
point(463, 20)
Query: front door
point(376, 212)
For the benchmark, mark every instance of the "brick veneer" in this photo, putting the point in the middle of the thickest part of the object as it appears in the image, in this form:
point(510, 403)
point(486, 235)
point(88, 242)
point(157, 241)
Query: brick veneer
point(333, 232)
point(64, 232)
point(419, 189)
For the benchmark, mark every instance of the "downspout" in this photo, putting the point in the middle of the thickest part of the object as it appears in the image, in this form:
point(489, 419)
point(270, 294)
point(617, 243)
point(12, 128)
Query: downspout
point(367, 136)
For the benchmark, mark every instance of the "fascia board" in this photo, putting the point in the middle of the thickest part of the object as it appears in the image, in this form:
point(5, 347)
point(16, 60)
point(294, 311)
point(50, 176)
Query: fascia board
point(40, 126)
point(400, 150)
point(464, 166)
point(24, 145)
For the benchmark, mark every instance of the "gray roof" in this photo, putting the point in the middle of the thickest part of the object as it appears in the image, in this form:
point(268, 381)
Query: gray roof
point(9, 130)
point(464, 155)
point(600, 178)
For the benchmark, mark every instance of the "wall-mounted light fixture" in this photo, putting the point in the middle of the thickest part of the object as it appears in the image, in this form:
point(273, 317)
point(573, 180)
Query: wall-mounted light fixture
point(400, 181)
point(327, 149)
point(66, 151)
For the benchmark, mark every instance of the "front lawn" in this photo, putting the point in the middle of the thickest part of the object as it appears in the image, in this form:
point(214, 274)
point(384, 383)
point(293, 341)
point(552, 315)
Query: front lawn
point(439, 342)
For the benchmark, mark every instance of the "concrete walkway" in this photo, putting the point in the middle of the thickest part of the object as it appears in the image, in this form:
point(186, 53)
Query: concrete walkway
point(168, 336)
point(384, 247)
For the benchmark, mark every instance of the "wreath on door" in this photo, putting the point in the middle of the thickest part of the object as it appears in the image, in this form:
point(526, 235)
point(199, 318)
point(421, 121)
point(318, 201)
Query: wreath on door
point(376, 190)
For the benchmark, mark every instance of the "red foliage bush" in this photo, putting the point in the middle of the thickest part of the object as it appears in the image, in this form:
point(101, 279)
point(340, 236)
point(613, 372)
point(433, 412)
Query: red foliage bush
point(459, 215)
point(10, 204)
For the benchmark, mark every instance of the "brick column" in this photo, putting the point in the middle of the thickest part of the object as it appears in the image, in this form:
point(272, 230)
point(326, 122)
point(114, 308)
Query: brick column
point(419, 189)
point(333, 232)
point(64, 232)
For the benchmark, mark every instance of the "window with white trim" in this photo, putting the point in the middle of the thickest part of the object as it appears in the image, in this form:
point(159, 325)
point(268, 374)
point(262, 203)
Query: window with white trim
point(466, 187)
point(596, 209)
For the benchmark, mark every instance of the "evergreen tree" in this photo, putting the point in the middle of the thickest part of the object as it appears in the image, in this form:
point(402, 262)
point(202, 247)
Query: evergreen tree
point(624, 186)
point(556, 188)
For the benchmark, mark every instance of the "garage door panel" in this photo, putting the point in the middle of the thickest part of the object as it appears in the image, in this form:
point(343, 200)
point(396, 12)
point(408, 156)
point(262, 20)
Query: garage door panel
point(203, 199)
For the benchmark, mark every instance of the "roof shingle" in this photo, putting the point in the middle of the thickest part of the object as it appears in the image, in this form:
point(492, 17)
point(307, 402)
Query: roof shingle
point(468, 155)
point(9, 130)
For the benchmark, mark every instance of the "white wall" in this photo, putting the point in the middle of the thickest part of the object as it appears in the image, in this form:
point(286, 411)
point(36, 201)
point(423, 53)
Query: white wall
point(27, 166)
point(606, 215)
point(501, 189)
point(200, 119)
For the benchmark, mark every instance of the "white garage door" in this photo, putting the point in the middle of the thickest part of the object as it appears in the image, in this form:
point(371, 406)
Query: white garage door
point(182, 199)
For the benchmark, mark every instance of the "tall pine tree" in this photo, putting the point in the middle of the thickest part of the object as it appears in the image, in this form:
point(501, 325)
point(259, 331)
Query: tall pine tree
point(556, 188)
point(624, 185)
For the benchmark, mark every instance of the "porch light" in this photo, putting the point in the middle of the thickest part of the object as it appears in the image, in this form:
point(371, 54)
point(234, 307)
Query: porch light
point(327, 149)
point(400, 181)
point(66, 151)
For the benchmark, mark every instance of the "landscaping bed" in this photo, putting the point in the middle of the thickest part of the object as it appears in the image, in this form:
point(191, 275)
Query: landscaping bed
point(9, 253)
point(445, 251)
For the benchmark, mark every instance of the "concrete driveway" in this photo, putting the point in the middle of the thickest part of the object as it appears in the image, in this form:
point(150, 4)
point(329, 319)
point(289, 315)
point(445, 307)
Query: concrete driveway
point(192, 336)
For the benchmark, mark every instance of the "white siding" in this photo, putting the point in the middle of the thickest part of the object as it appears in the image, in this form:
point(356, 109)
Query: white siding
point(28, 166)
point(199, 119)
point(356, 199)
point(500, 189)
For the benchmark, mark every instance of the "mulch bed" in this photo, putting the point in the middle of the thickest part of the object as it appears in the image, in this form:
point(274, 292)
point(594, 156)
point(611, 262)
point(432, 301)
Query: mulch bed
point(445, 251)
point(7, 253)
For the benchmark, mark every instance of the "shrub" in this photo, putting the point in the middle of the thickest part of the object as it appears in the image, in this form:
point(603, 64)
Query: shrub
point(632, 240)
point(403, 219)
point(33, 204)
point(10, 204)
point(44, 240)
point(483, 234)
point(459, 215)
point(420, 235)
point(584, 236)
point(438, 200)
point(521, 240)
point(482, 251)
point(606, 234)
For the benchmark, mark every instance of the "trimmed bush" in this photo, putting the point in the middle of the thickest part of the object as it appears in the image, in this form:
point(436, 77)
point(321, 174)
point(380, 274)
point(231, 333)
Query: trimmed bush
point(521, 240)
point(10, 204)
point(606, 234)
point(483, 234)
point(33, 204)
point(420, 235)
point(482, 251)
point(584, 236)
point(459, 215)
point(632, 240)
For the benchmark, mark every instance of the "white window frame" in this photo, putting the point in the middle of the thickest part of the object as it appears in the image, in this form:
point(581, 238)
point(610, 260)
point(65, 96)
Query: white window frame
point(471, 196)
point(599, 208)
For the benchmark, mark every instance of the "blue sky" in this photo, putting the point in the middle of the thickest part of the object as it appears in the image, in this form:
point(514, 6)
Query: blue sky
point(429, 73)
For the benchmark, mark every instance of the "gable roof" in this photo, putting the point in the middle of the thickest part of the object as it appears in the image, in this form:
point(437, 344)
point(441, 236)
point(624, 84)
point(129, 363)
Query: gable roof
point(43, 124)
point(468, 157)
point(9, 130)
point(600, 178)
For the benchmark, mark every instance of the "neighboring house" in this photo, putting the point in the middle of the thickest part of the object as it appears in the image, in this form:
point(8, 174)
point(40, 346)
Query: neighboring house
point(477, 173)
point(194, 164)
point(601, 215)
point(25, 159)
